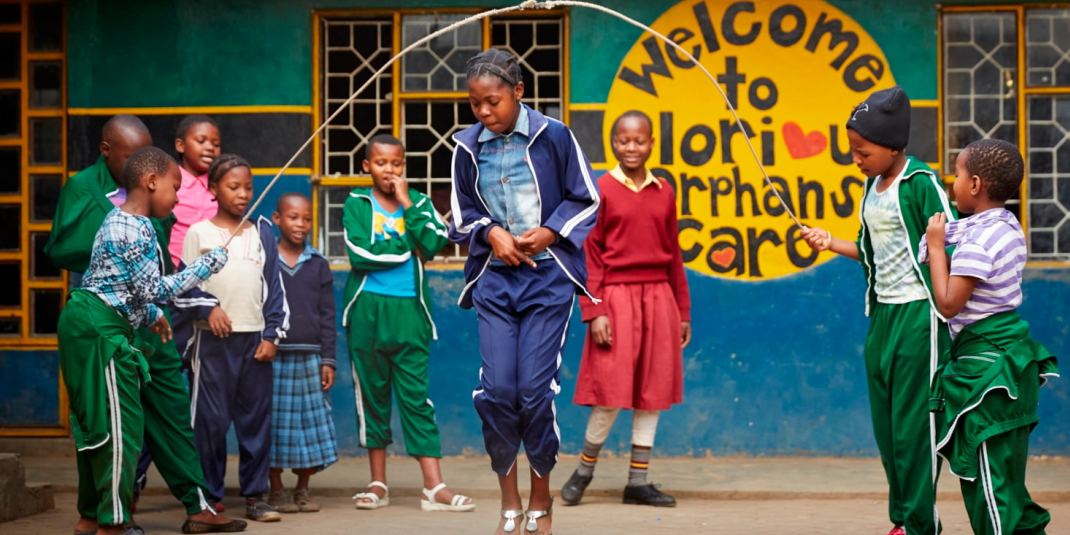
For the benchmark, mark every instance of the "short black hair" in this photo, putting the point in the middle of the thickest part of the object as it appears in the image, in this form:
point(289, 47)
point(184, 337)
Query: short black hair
point(223, 165)
point(381, 139)
point(495, 62)
point(190, 121)
point(121, 124)
point(629, 114)
point(998, 164)
point(285, 197)
point(144, 162)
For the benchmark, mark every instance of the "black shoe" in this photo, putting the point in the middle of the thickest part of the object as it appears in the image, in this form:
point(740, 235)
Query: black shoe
point(572, 492)
point(193, 526)
point(648, 495)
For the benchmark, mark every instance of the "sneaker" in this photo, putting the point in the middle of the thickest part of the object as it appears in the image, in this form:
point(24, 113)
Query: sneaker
point(898, 530)
point(648, 495)
point(303, 503)
point(282, 502)
point(573, 490)
point(258, 510)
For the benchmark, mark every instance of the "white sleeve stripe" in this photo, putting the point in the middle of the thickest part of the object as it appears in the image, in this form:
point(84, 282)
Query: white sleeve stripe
point(363, 253)
point(593, 208)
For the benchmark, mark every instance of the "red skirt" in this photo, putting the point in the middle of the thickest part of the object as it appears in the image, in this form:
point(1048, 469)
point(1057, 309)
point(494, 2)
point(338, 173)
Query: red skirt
point(643, 369)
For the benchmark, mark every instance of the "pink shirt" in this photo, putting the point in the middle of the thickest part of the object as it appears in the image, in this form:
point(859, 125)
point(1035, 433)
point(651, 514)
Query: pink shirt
point(195, 204)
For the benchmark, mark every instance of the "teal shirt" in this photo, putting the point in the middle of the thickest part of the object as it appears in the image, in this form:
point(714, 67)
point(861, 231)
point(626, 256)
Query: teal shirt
point(397, 281)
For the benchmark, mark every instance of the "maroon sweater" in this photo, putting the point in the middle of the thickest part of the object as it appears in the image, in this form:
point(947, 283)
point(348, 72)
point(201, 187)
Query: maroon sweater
point(634, 241)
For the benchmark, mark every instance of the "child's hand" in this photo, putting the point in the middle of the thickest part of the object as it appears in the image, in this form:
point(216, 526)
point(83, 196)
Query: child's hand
point(505, 248)
point(162, 328)
point(219, 322)
point(326, 377)
point(818, 239)
point(265, 352)
point(685, 333)
point(601, 332)
point(217, 258)
point(936, 231)
point(401, 191)
point(535, 240)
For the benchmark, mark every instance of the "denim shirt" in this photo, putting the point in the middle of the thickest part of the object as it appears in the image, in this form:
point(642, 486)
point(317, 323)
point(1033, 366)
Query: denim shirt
point(506, 182)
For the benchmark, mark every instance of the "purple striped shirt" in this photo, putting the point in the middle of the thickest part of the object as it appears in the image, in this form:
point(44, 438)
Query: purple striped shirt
point(990, 247)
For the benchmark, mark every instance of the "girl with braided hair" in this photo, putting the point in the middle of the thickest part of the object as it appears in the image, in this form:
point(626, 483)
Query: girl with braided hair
point(523, 202)
point(232, 350)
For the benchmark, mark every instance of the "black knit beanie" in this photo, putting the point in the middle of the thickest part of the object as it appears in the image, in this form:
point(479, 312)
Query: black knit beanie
point(883, 118)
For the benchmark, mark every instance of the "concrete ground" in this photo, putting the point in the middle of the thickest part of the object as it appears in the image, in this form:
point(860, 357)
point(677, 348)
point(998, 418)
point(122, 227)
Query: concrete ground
point(717, 496)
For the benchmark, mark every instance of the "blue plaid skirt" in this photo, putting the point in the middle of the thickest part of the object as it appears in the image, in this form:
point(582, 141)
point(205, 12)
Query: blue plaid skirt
point(302, 429)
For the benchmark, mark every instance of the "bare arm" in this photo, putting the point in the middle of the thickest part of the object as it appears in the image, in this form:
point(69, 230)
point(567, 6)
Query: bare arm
point(951, 292)
point(821, 240)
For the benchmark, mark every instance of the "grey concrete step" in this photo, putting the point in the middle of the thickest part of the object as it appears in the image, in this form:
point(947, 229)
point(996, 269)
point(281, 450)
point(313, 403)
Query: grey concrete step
point(17, 499)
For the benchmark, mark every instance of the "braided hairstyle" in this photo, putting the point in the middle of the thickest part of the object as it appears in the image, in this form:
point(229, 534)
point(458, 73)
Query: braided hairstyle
point(495, 62)
point(223, 165)
point(998, 164)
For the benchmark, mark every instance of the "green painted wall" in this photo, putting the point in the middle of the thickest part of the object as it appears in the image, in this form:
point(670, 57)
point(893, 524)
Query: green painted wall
point(193, 53)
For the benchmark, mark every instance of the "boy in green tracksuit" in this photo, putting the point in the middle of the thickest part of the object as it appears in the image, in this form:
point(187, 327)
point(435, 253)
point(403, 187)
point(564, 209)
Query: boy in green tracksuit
point(907, 339)
point(390, 232)
point(85, 200)
point(101, 369)
point(985, 399)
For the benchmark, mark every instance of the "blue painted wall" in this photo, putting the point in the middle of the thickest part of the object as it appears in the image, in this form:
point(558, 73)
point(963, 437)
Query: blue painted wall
point(775, 368)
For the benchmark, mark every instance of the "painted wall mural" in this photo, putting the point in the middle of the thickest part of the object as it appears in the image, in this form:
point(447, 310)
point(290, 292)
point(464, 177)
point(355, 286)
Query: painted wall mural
point(793, 71)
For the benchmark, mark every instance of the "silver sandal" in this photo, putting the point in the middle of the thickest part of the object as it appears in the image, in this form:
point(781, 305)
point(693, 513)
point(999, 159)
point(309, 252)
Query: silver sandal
point(510, 516)
point(534, 516)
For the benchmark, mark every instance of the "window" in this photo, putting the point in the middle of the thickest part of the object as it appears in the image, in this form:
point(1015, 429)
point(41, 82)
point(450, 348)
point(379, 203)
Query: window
point(422, 99)
point(33, 154)
point(989, 92)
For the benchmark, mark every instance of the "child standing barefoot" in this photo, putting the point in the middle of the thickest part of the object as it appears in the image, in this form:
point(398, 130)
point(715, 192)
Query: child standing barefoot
point(907, 337)
point(302, 429)
point(988, 392)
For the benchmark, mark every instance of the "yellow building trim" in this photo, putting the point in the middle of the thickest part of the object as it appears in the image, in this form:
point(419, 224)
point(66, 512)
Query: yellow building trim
point(432, 95)
point(272, 171)
point(189, 110)
point(1046, 90)
point(924, 102)
point(1023, 122)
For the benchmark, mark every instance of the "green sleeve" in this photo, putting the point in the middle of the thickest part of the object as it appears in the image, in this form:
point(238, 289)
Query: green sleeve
point(929, 198)
point(425, 228)
point(74, 227)
point(364, 254)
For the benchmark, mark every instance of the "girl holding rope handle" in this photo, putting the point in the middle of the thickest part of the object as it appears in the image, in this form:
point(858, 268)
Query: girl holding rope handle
point(907, 338)
point(523, 202)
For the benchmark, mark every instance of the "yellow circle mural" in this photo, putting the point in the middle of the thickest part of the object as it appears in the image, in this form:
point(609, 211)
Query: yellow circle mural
point(793, 71)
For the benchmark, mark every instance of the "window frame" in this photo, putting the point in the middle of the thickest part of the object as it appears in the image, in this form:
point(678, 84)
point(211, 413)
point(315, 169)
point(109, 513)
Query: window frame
point(399, 98)
point(1022, 95)
point(27, 341)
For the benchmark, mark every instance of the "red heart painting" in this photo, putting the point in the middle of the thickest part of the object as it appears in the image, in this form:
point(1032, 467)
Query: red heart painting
point(724, 257)
point(802, 145)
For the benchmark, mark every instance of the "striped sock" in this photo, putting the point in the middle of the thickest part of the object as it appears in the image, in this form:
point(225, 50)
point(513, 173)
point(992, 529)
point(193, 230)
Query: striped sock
point(588, 458)
point(639, 466)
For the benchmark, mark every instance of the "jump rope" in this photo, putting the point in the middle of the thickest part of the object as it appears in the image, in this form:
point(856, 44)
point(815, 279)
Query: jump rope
point(527, 5)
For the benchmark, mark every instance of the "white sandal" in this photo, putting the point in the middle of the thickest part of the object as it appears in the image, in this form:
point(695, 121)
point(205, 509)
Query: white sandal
point(510, 516)
point(459, 504)
point(370, 500)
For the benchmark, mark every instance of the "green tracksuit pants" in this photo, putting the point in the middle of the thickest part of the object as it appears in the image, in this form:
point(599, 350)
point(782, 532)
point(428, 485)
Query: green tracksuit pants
point(997, 500)
point(904, 347)
point(388, 339)
point(168, 436)
point(102, 373)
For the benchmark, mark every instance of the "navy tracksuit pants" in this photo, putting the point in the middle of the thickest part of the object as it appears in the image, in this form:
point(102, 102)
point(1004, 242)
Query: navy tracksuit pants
point(230, 386)
point(523, 317)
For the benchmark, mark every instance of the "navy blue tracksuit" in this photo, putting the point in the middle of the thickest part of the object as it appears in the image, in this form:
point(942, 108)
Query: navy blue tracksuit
point(523, 317)
point(524, 312)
